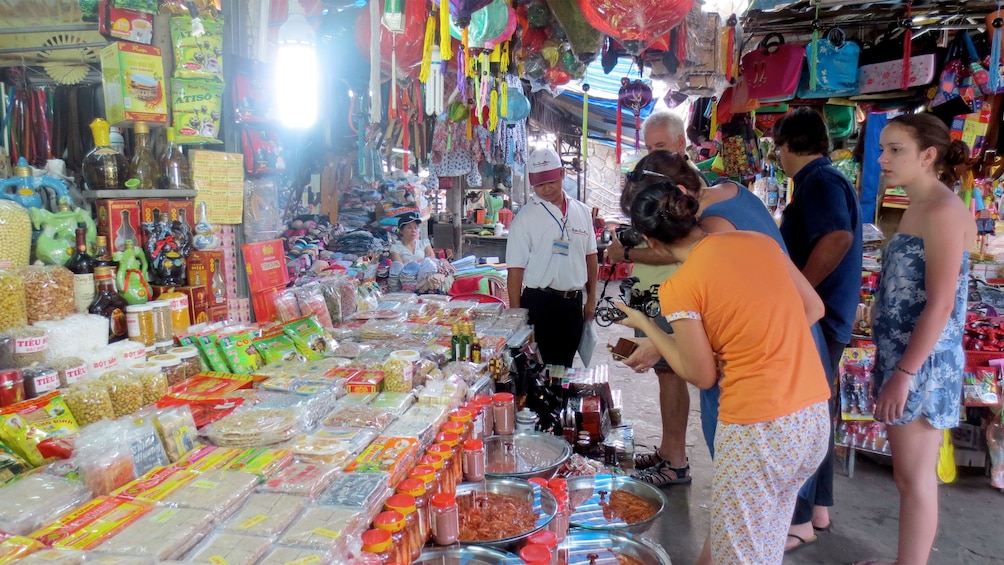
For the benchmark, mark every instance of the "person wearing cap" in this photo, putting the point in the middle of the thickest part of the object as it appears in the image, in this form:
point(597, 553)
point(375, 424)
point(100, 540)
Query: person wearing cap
point(551, 257)
point(411, 247)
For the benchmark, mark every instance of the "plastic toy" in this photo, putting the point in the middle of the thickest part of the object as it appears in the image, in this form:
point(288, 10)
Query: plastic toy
point(26, 189)
point(131, 278)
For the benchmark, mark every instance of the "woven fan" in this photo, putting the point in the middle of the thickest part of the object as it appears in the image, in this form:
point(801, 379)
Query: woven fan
point(56, 63)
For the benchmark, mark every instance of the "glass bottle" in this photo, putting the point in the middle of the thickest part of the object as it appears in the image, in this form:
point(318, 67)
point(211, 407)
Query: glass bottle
point(109, 304)
point(82, 266)
point(103, 257)
point(104, 168)
point(218, 285)
point(143, 170)
point(174, 171)
point(476, 350)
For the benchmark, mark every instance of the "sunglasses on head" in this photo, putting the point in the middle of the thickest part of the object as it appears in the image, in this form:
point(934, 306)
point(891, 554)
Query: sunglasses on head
point(639, 175)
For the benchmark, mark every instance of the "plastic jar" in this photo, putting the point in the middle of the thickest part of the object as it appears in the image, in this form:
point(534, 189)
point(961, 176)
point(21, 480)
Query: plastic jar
point(139, 323)
point(181, 316)
point(39, 379)
point(377, 543)
point(534, 554)
point(190, 359)
point(445, 519)
point(443, 478)
point(406, 505)
point(545, 538)
point(453, 467)
point(487, 412)
point(163, 347)
point(504, 413)
point(416, 489)
point(466, 419)
point(163, 328)
point(172, 367)
point(526, 421)
point(538, 482)
point(153, 379)
point(452, 439)
point(559, 525)
point(393, 522)
point(426, 474)
point(11, 387)
point(474, 460)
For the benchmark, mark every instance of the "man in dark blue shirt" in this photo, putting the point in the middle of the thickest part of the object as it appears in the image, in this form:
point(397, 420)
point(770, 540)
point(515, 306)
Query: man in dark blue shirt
point(821, 227)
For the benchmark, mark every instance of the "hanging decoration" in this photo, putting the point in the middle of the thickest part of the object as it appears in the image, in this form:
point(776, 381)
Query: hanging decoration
point(548, 59)
point(635, 95)
point(585, 122)
point(907, 45)
point(404, 46)
point(393, 20)
point(583, 39)
point(488, 26)
point(995, 29)
point(376, 105)
point(462, 10)
point(635, 23)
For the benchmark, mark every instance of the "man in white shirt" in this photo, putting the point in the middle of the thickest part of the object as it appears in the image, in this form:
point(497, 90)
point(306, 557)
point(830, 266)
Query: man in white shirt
point(551, 254)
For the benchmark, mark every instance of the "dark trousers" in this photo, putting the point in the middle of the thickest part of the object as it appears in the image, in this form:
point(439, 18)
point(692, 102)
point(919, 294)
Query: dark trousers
point(557, 324)
point(818, 490)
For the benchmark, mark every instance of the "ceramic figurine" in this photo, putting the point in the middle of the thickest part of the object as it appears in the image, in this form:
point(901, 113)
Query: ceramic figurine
point(131, 277)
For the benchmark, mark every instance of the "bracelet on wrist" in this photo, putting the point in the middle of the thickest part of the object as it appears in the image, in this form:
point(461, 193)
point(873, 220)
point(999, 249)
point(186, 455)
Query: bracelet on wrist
point(900, 368)
point(627, 253)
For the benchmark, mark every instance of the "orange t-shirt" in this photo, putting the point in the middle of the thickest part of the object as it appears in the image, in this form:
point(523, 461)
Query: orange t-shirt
point(737, 283)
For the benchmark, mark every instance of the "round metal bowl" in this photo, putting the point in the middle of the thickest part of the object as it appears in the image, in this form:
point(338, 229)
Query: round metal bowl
point(543, 503)
point(468, 555)
point(585, 492)
point(606, 546)
point(525, 455)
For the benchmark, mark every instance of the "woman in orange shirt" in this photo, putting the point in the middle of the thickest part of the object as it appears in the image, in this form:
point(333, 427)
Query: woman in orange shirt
point(740, 313)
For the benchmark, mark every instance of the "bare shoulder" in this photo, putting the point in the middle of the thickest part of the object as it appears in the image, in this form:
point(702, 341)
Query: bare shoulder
point(946, 215)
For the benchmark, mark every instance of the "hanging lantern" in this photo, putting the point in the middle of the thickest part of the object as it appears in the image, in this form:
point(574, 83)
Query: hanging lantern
point(461, 10)
point(583, 38)
point(408, 42)
point(635, 23)
point(518, 108)
point(487, 27)
point(635, 95)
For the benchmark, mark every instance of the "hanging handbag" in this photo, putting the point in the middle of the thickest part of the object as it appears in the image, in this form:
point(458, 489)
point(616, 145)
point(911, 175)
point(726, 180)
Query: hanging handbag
point(836, 68)
point(772, 70)
point(956, 94)
point(881, 66)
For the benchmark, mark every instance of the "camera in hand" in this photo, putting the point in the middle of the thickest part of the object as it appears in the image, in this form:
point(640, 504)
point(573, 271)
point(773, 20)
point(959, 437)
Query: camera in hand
point(629, 237)
point(646, 301)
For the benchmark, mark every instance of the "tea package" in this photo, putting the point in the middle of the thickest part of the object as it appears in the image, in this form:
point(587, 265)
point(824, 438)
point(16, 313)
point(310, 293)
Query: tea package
point(197, 57)
point(196, 111)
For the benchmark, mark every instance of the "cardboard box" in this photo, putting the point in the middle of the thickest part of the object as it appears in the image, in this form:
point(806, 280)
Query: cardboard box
point(183, 210)
point(133, 80)
point(218, 313)
point(123, 23)
point(263, 304)
point(118, 220)
point(265, 263)
point(208, 268)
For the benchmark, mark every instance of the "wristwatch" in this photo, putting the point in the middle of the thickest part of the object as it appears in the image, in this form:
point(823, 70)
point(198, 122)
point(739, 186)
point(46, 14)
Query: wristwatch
point(627, 253)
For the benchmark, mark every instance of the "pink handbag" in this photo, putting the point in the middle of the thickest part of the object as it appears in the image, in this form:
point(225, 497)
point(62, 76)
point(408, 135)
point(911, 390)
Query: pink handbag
point(888, 76)
point(772, 70)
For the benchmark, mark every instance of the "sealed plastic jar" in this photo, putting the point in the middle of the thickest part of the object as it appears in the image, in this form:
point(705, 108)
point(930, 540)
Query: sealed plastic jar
point(12, 308)
point(378, 544)
point(448, 445)
point(180, 313)
point(407, 506)
point(445, 519)
point(163, 325)
point(163, 347)
point(534, 554)
point(139, 323)
point(444, 472)
point(393, 522)
point(466, 419)
point(504, 413)
point(415, 488)
point(172, 367)
point(484, 401)
point(547, 539)
point(474, 460)
point(153, 379)
point(89, 402)
point(190, 359)
point(426, 474)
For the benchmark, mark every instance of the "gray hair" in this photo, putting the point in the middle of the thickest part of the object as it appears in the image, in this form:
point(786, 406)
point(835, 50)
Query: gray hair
point(666, 119)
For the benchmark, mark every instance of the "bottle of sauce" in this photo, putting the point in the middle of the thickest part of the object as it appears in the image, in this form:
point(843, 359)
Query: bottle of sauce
point(143, 169)
point(474, 460)
point(82, 266)
point(406, 505)
point(445, 519)
point(108, 303)
point(393, 522)
point(475, 349)
point(416, 489)
point(377, 543)
point(104, 168)
point(102, 257)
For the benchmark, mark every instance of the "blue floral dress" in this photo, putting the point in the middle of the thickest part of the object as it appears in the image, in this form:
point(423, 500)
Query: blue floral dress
point(935, 393)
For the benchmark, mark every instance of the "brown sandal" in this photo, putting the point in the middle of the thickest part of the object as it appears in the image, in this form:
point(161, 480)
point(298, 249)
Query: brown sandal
point(658, 475)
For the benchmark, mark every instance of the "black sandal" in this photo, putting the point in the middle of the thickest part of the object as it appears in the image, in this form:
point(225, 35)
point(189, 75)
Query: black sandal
point(657, 475)
point(644, 461)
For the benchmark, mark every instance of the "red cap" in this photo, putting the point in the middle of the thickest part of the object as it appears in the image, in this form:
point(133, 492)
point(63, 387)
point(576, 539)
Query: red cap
point(452, 427)
point(474, 445)
point(440, 450)
point(535, 554)
point(503, 397)
point(449, 438)
point(403, 503)
point(376, 541)
point(424, 473)
point(433, 460)
point(414, 487)
point(443, 500)
point(461, 415)
point(558, 483)
point(546, 538)
point(391, 520)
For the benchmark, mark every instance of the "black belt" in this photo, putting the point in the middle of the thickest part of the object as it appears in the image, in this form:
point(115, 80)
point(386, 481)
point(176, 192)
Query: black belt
point(566, 294)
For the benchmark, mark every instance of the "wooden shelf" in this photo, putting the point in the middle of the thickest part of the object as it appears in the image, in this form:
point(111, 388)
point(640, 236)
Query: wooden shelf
point(138, 193)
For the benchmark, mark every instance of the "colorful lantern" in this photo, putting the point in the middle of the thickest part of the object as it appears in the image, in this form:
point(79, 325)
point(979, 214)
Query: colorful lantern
point(461, 10)
point(518, 107)
point(582, 37)
point(488, 26)
point(633, 94)
point(635, 23)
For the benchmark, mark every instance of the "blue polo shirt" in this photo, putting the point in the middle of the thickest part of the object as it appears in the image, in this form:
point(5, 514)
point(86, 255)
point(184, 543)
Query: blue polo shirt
point(825, 201)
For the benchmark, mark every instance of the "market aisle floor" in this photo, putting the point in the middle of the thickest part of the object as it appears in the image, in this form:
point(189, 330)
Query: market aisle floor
point(866, 514)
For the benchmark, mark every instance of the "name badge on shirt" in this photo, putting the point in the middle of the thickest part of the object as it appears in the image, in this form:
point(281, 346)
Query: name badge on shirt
point(560, 247)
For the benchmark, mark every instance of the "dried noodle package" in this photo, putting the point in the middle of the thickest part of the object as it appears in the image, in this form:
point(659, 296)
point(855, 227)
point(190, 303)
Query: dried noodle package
point(231, 549)
point(327, 528)
point(220, 492)
point(164, 533)
point(266, 515)
point(32, 501)
point(301, 479)
point(281, 555)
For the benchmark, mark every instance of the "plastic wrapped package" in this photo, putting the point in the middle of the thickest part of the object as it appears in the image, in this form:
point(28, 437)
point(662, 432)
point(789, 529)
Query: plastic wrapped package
point(336, 446)
point(447, 392)
point(392, 456)
point(327, 528)
point(311, 300)
point(220, 492)
point(37, 499)
point(89, 402)
point(143, 440)
point(365, 491)
point(129, 352)
point(285, 555)
point(350, 349)
point(247, 428)
point(153, 381)
point(229, 548)
point(262, 461)
point(396, 403)
point(31, 345)
point(48, 292)
point(101, 558)
point(316, 401)
point(262, 214)
point(164, 533)
point(103, 455)
point(126, 391)
point(12, 309)
point(265, 514)
point(206, 457)
point(176, 428)
point(346, 331)
point(488, 311)
point(75, 332)
point(26, 424)
point(466, 371)
point(93, 523)
point(100, 361)
point(356, 399)
point(359, 416)
point(369, 359)
point(286, 306)
point(423, 431)
point(54, 556)
point(15, 547)
point(397, 375)
point(312, 339)
point(347, 291)
point(382, 330)
point(301, 479)
point(332, 298)
point(12, 465)
point(318, 368)
point(71, 370)
point(156, 485)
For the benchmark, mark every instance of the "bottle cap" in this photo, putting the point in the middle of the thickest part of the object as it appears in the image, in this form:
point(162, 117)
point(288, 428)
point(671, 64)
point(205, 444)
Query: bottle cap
point(140, 127)
point(558, 484)
point(450, 437)
point(534, 554)
point(390, 520)
point(503, 397)
point(482, 400)
point(376, 541)
point(546, 538)
point(403, 503)
point(474, 445)
point(139, 308)
point(424, 473)
point(443, 500)
point(414, 487)
point(542, 483)
point(167, 360)
point(184, 352)
point(442, 450)
point(462, 416)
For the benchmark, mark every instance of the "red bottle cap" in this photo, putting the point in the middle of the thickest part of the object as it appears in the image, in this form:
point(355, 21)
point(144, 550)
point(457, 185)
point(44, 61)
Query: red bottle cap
point(534, 554)
point(542, 483)
point(503, 397)
point(546, 538)
point(461, 415)
point(443, 500)
point(452, 427)
point(414, 487)
point(474, 445)
point(376, 541)
point(448, 438)
point(391, 521)
point(403, 503)
point(440, 450)
point(424, 473)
